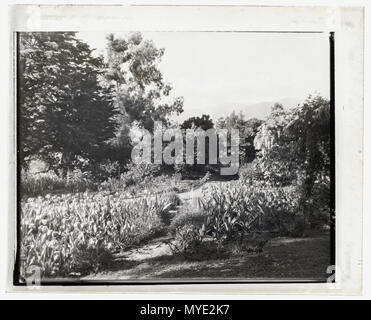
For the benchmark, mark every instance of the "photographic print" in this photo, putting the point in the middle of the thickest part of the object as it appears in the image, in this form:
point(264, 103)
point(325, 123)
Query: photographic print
point(175, 157)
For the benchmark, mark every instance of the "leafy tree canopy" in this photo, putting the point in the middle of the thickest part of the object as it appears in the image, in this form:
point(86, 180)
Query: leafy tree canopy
point(204, 122)
point(247, 128)
point(295, 148)
point(66, 115)
point(141, 94)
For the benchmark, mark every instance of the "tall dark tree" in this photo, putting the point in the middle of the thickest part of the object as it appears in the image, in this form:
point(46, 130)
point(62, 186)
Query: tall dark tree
point(66, 115)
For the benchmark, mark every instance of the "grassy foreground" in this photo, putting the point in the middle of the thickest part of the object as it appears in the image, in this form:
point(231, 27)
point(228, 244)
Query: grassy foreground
point(282, 259)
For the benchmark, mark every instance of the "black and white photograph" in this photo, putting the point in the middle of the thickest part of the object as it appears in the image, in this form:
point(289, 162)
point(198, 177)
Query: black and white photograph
point(175, 157)
point(171, 151)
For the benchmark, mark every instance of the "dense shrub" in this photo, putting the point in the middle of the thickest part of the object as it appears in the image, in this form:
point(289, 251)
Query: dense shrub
point(280, 207)
point(250, 172)
point(140, 176)
point(320, 204)
point(187, 239)
point(187, 215)
point(107, 169)
point(43, 183)
point(112, 184)
point(149, 185)
point(139, 173)
point(295, 147)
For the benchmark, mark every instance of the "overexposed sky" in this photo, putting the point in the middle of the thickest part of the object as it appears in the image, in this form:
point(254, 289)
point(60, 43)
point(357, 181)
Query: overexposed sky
point(218, 72)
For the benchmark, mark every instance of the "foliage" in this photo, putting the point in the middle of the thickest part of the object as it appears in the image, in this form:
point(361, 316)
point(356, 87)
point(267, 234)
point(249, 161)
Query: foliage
point(319, 215)
point(149, 186)
point(139, 173)
point(229, 210)
point(66, 115)
point(187, 239)
point(174, 201)
point(231, 214)
point(247, 129)
point(190, 170)
point(137, 176)
point(78, 233)
point(76, 110)
point(107, 169)
point(236, 209)
point(269, 132)
point(187, 216)
point(295, 148)
point(43, 183)
point(204, 122)
point(141, 96)
point(280, 206)
point(250, 172)
point(73, 119)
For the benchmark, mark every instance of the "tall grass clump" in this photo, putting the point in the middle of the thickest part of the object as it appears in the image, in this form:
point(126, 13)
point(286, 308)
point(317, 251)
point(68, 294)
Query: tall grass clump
point(79, 233)
point(36, 184)
point(234, 213)
point(236, 209)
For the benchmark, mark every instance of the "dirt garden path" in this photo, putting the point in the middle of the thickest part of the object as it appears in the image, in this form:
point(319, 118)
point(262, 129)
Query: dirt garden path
point(158, 247)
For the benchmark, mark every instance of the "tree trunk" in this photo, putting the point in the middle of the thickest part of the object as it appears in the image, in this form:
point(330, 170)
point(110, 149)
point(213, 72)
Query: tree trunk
point(308, 184)
point(65, 165)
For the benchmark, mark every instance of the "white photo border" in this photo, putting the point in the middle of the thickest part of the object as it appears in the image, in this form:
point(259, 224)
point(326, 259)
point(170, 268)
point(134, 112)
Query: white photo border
point(347, 23)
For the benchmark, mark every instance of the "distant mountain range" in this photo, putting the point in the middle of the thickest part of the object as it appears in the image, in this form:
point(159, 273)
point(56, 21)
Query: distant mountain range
point(262, 109)
point(258, 110)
